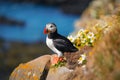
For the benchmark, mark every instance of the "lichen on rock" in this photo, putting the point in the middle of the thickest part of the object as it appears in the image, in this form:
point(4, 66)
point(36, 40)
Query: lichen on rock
point(32, 70)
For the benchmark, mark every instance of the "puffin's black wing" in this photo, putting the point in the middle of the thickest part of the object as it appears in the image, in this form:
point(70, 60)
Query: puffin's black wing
point(64, 45)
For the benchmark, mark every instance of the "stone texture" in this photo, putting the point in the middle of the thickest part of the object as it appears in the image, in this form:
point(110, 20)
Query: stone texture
point(32, 70)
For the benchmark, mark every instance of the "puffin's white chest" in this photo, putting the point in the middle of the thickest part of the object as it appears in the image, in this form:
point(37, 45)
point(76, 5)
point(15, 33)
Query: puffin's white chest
point(50, 44)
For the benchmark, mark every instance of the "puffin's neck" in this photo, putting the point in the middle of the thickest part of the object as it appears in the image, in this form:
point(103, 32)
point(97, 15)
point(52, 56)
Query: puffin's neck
point(53, 35)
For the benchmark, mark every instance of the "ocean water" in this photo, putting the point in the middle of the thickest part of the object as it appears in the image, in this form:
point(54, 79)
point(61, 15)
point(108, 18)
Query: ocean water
point(35, 18)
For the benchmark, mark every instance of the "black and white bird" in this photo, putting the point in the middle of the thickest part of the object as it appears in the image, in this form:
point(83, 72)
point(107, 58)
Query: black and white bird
point(56, 42)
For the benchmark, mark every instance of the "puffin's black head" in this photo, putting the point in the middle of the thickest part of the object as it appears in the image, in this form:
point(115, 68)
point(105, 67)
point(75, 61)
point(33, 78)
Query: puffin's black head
point(50, 28)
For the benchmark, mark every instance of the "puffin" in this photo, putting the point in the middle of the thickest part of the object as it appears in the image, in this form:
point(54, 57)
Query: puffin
point(56, 42)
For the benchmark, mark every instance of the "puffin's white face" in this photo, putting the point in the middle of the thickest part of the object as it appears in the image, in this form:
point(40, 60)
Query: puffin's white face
point(50, 28)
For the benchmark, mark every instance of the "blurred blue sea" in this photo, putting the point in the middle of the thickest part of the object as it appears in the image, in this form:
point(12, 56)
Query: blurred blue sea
point(35, 18)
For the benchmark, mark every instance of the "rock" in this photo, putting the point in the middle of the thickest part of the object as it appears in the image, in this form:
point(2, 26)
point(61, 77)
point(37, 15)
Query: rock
point(56, 73)
point(32, 70)
point(41, 68)
point(38, 69)
point(72, 58)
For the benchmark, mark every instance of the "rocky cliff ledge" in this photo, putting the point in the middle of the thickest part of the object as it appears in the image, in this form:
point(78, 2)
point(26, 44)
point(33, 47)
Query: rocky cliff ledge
point(41, 68)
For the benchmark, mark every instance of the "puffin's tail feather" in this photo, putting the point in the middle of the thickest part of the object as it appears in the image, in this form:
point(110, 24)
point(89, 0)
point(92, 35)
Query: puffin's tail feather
point(74, 50)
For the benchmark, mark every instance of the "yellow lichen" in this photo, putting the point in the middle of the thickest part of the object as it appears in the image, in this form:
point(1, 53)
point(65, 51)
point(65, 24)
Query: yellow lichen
point(35, 77)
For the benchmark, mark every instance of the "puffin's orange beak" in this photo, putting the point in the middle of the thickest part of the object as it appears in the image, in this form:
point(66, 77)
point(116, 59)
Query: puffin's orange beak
point(45, 31)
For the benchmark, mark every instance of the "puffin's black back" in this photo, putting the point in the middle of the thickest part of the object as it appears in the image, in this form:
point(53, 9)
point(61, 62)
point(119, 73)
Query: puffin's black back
point(62, 43)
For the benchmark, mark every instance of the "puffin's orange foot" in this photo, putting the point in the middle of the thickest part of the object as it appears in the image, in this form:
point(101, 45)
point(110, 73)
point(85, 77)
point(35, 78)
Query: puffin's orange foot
point(61, 59)
point(55, 60)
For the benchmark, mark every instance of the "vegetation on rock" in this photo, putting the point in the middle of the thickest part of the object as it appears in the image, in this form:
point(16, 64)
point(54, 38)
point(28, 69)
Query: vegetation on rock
point(103, 61)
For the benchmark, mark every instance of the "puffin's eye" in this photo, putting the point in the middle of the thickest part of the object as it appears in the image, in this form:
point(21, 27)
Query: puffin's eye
point(51, 26)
